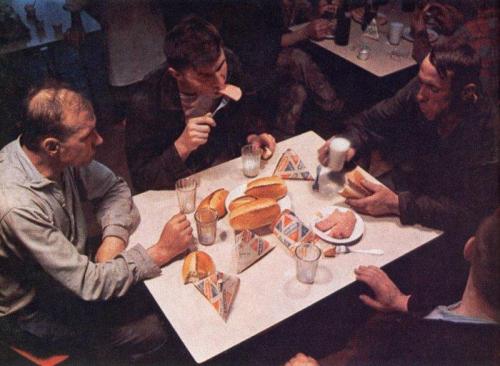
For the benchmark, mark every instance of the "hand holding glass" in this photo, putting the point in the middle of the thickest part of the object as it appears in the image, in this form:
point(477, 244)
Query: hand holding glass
point(250, 158)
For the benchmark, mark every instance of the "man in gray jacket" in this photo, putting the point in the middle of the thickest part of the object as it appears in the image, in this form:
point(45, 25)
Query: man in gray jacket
point(52, 291)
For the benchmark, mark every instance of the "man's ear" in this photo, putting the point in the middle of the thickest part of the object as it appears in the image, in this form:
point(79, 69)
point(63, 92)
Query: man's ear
point(469, 93)
point(469, 248)
point(174, 73)
point(51, 146)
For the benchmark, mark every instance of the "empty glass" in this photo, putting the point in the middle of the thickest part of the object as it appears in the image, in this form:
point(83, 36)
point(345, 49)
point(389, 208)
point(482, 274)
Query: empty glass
point(186, 194)
point(307, 258)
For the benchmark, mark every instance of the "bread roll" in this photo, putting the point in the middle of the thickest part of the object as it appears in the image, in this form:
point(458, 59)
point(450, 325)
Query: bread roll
point(197, 265)
point(353, 187)
point(253, 215)
point(216, 201)
point(237, 202)
point(268, 187)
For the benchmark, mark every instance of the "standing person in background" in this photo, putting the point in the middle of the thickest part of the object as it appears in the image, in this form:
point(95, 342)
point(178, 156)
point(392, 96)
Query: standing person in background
point(134, 32)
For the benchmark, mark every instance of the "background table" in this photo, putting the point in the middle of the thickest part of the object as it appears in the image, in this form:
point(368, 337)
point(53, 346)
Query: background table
point(50, 12)
point(269, 292)
point(380, 62)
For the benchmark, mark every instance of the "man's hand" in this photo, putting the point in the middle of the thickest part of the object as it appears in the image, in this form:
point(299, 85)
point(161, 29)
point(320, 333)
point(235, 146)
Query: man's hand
point(324, 7)
point(324, 153)
point(194, 135)
point(388, 297)
point(176, 237)
point(318, 29)
point(262, 140)
point(110, 247)
point(301, 359)
point(381, 202)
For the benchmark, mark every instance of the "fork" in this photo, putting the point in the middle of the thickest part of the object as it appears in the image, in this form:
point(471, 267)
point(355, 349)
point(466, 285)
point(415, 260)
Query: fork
point(315, 185)
point(221, 105)
point(344, 250)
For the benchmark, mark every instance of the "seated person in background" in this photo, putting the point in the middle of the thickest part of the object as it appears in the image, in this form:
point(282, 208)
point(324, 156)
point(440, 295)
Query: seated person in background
point(439, 132)
point(171, 131)
point(299, 75)
point(52, 291)
point(471, 21)
point(467, 332)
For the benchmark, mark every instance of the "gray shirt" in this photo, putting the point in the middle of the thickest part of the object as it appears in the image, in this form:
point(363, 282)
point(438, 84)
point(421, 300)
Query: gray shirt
point(43, 233)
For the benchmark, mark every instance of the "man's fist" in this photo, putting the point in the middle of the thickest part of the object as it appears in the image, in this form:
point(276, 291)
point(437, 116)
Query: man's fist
point(194, 135)
point(176, 237)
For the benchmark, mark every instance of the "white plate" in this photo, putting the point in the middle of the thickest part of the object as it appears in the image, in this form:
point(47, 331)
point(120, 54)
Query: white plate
point(433, 36)
point(285, 202)
point(358, 231)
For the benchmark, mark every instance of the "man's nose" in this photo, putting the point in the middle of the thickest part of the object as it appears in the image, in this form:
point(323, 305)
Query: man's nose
point(421, 95)
point(98, 139)
point(220, 79)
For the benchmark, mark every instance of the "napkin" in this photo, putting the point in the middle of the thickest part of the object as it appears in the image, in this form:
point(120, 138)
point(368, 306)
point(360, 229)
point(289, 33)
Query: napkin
point(291, 231)
point(250, 247)
point(372, 30)
point(220, 290)
point(290, 166)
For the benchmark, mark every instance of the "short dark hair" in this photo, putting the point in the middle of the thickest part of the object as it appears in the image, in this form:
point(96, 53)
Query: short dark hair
point(45, 110)
point(485, 262)
point(193, 42)
point(460, 59)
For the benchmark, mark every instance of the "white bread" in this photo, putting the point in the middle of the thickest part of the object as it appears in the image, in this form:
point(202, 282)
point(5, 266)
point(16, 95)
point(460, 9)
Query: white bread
point(216, 201)
point(197, 265)
point(353, 187)
point(237, 202)
point(268, 187)
point(256, 214)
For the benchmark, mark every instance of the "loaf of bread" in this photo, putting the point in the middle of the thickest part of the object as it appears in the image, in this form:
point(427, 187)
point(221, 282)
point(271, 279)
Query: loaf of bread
point(239, 201)
point(268, 187)
point(216, 201)
point(197, 265)
point(253, 215)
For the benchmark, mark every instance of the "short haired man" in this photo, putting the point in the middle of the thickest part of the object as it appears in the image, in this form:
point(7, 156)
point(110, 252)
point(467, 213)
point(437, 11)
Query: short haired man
point(440, 134)
point(467, 332)
point(171, 127)
point(51, 290)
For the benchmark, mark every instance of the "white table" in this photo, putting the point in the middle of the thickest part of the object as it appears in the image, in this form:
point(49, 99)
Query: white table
point(380, 63)
point(50, 12)
point(269, 292)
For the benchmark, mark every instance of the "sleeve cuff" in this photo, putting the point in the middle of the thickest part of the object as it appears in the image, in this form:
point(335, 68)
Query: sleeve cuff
point(116, 230)
point(145, 266)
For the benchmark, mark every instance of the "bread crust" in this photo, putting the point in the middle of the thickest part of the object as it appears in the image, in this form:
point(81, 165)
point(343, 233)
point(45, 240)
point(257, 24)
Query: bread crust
point(255, 214)
point(239, 201)
point(353, 187)
point(267, 187)
point(216, 201)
